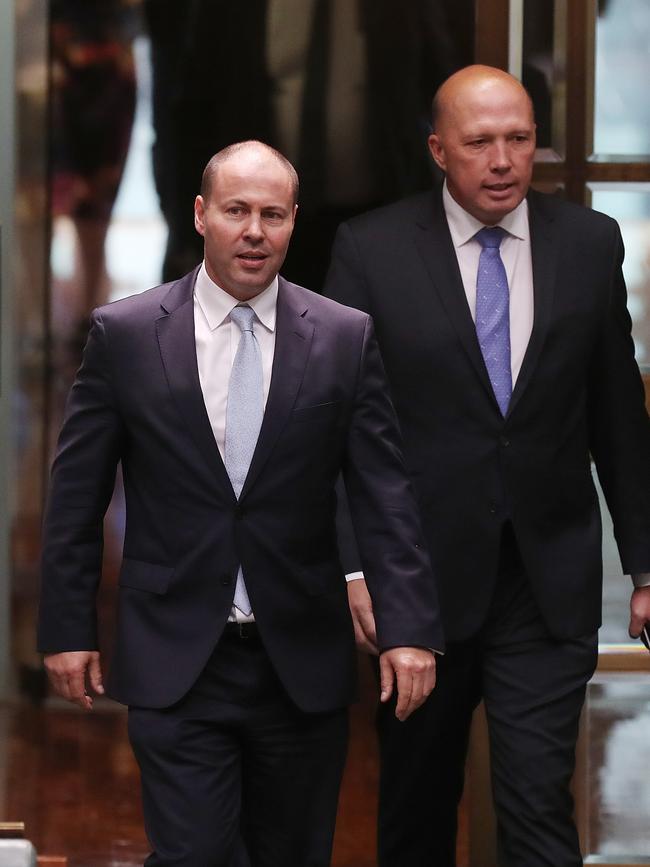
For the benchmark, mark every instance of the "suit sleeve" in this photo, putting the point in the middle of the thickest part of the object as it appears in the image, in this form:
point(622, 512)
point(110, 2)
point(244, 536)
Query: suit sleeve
point(385, 516)
point(81, 486)
point(344, 283)
point(619, 426)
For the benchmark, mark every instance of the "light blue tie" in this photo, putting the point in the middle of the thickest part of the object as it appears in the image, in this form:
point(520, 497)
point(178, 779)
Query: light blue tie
point(243, 417)
point(493, 314)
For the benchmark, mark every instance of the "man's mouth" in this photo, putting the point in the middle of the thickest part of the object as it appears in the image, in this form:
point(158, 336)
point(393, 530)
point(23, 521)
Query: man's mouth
point(499, 188)
point(252, 260)
point(252, 256)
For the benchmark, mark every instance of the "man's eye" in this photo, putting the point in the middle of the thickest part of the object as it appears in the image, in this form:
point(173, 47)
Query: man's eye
point(235, 211)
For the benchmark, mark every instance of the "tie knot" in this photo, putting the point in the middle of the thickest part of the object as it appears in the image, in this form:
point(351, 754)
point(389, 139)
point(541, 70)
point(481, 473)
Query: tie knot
point(243, 317)
point(490, 236)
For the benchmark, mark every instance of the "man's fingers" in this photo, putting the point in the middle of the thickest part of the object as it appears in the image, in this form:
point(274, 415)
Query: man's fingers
point(635, 627)
point(386, 677)
point(76, 690)
point(95, 674)
point(639, 610)
point(430, 679)
point(361, 638)
point(415, 671)
point(67, 673)
point(369, 634)
point(405, 690)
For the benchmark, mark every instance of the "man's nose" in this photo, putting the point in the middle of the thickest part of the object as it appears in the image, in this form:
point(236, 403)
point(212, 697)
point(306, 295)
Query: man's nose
point(500, 157)
point(254, 229)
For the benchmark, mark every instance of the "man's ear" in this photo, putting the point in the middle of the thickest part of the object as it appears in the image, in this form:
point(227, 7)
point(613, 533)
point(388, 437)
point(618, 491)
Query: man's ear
point(437, 151)
point(199, 215)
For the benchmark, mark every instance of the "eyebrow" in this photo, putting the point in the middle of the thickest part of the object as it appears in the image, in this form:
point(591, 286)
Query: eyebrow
point(246, 204)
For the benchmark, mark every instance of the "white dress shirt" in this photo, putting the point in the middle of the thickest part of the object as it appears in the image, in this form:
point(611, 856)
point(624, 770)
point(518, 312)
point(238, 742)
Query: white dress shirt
point(517, 260)
point(217, 339)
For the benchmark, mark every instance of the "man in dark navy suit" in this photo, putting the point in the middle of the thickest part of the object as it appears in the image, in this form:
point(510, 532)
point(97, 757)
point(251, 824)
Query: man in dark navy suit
point(501, 318)
point(233, 399)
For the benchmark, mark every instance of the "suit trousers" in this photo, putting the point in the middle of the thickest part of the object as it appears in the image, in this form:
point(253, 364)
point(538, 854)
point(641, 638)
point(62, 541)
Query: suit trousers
point(533, 686)
point(236, 760)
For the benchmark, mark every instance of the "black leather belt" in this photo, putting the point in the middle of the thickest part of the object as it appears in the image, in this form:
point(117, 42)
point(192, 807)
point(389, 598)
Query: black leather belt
point(242, 631)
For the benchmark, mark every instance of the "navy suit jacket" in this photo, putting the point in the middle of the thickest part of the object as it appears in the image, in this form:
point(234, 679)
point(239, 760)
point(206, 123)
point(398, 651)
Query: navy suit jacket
point(578, 394)
point(137, 400)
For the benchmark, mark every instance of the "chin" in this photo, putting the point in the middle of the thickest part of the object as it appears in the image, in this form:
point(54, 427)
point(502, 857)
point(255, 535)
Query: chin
point(492, 215)
point(248, 291)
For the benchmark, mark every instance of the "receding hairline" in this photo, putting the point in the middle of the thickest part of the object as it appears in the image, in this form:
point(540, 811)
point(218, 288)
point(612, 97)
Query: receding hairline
point(225, 154)
point(482, 74)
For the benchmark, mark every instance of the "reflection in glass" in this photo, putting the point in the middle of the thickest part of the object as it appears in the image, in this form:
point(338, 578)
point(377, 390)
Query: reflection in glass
point(617, 721)
point(542, 67)
point(342, 87)
point(621, 105)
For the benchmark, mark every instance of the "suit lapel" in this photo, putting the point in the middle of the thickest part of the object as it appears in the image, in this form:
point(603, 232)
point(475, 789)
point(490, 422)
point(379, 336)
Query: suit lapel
point(177, 344)
point(293, 340)
point(435, 246)
point(544, 256)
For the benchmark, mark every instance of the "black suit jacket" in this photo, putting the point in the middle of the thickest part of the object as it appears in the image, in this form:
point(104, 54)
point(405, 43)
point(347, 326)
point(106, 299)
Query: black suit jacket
point(137, 399)
point(578, 392)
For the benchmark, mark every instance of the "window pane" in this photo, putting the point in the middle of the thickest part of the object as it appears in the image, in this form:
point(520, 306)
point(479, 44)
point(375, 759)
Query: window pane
point(621, 106)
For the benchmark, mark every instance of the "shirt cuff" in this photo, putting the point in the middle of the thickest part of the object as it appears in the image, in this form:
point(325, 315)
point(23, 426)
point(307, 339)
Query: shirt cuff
point(356, 576)
point(641, 579)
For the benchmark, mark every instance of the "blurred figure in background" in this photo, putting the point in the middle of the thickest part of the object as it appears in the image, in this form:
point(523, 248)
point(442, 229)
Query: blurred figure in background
point(343, 87)
point(93, 90)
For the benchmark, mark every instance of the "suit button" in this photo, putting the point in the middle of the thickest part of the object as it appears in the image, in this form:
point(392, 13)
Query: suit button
point(505, 442)
point(226, 581)
point(239, 513)
point(493, 508)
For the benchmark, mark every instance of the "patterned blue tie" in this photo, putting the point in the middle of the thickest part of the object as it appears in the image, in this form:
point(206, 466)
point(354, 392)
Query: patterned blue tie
point(493, 314)
point(244, 415)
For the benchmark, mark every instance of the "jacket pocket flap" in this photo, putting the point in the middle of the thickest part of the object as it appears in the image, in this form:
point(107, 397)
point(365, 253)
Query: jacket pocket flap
point(139, 575)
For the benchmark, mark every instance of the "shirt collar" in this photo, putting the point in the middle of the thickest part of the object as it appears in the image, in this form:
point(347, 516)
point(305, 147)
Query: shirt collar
point(463, 226)
point(216, 303)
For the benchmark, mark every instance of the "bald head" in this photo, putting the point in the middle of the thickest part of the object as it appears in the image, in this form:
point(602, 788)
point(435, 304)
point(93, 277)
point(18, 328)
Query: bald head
point(255, 151)
point(484, 140)
point(472, 82)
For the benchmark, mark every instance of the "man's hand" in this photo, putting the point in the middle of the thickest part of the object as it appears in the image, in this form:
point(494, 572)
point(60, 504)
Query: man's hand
point(415, 670)
point(639, 610)
point(70, 671)
point(362, 616)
